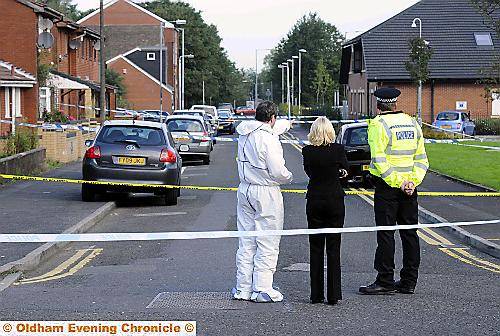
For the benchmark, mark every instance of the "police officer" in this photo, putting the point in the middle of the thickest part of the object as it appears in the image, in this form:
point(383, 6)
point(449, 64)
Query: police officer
point(398, 165)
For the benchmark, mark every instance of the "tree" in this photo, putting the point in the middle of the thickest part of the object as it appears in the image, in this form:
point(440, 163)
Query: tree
point(115, 79)
point(490, 10)
point(418, 63)
point(323, 84)
point(322, 40)
point(66, 7)
point(223, 81)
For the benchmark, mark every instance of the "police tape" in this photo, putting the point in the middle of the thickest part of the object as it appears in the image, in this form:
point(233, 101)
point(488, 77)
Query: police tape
point(52, 126)
point(145, 236)
point(212, 188)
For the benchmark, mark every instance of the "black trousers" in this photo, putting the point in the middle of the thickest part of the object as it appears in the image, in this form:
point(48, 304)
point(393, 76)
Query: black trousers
point(393, 206)
point(325, 213)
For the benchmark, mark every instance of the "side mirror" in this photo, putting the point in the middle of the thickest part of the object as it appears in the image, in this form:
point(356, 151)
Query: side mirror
point(88, 143)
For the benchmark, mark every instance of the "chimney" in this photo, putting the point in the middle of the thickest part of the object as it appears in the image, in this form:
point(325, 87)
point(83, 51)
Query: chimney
point(12, 70)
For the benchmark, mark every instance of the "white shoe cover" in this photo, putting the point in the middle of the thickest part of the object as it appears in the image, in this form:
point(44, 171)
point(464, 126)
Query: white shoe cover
point(271, 296)
point(240, 295)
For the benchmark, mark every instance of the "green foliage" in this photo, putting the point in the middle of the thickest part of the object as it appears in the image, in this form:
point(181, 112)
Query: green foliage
point(322, 40)
point(283, 108)
point(43, 72)
point(223, 82)
point(488, 127)
point(56, 116)
point(420, 55)
point(323, 84)
point(115, 79)
point(67, 7)
point(23, 140)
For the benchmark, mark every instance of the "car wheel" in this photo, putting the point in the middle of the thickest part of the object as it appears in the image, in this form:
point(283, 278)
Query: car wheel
point(170, 198)
point(88, 193)
point(206, 160)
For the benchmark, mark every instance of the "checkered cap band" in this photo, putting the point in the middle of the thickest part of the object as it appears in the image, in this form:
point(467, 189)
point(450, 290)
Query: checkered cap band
point(387, 100)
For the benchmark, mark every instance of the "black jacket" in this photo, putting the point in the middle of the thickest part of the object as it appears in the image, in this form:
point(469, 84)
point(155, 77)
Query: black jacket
point(322, 165)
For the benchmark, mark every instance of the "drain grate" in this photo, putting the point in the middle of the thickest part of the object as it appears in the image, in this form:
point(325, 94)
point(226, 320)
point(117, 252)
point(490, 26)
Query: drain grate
point(196, 300)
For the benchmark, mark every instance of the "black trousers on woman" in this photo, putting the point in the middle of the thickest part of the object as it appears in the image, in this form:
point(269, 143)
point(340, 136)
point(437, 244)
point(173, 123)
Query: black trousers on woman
point(325, 213)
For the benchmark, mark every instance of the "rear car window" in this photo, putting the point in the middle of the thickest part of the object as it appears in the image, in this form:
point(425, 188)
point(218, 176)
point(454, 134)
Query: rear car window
point(224, 115)
point(447, 116)
point(184, 125)
point(143, 136)
point(356, 136)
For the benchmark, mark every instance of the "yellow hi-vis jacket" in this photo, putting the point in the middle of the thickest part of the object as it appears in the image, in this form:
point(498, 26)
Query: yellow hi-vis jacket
point(397, 149)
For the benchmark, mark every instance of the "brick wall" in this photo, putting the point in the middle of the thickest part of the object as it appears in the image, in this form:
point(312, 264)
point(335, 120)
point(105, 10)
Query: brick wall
point(65, 146)
point(142, 92)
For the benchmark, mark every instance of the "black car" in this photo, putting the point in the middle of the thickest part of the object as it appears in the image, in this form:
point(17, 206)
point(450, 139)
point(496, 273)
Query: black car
point(128, 151)
point(355, 139)
point(226, 122)
point(153, 115)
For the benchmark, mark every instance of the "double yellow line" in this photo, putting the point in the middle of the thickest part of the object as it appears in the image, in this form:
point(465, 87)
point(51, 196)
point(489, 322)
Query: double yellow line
point(69, 267)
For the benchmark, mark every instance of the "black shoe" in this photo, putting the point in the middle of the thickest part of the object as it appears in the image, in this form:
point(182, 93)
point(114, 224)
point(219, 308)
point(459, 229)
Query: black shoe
point(332, 302)
point(316, 301)
point(376, 289)
point(404, 289)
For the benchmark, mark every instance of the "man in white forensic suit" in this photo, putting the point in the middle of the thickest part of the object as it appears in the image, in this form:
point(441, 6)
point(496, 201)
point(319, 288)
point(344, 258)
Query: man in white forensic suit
point(261, 168)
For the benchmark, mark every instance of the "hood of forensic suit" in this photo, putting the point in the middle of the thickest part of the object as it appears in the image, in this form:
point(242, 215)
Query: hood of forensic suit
point(246, 127)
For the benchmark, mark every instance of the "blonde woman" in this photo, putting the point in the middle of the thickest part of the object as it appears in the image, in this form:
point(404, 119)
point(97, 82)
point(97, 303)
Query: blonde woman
point(325, 163)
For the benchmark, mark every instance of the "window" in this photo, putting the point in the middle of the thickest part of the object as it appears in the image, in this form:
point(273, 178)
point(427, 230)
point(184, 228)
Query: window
point(483, 39)
point(356, 136)
point(44, 104)
point(12, 102)
point(143, 136)
point(358, 59)
point(448, 116)
point(185, 125)
point(150, 56)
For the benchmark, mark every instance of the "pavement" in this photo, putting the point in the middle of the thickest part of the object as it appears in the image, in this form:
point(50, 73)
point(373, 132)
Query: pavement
point(458, 291)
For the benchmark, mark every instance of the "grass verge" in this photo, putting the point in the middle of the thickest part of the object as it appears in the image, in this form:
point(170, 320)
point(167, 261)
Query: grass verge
point(472, 164)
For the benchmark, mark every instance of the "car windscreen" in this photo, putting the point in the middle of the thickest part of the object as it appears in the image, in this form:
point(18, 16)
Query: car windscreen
point(184, 125)
point(356, 136)
point(153, 112)
point(447, 116)
point(143, 136)
point(224, 115)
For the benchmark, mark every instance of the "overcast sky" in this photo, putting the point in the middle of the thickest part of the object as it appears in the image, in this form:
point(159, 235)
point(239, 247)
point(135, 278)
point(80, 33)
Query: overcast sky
point(246, 25)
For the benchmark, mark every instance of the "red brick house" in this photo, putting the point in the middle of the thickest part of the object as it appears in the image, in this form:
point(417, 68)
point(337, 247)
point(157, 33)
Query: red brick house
point(129, 26)
point(72, 60)
point(462, 46)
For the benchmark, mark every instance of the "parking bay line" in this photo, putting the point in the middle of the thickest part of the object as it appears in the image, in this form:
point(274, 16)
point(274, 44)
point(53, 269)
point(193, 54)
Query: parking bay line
point(435, 239)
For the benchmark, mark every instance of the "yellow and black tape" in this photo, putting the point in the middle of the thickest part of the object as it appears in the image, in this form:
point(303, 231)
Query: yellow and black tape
point(211, 188)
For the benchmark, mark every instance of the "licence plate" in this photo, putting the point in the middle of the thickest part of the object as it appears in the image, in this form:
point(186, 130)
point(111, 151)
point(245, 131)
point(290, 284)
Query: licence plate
point(181, 139)
point(365, 167)
point(446, 126)
point(221, 127)
point(131, 161)
point(184, 148)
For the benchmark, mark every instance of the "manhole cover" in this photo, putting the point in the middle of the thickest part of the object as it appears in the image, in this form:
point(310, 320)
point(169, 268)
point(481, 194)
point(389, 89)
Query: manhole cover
point(196, 300)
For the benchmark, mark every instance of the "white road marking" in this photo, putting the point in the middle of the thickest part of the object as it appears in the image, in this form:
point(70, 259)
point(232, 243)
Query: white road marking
point(183, 169)
point(194, 175)
point(188, 198)
point(157, 214)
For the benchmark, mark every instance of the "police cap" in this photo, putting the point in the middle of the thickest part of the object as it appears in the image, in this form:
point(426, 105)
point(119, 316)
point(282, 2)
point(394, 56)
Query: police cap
point(387, 95)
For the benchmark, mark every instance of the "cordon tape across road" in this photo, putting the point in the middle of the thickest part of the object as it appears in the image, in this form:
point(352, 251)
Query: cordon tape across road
point(212, 188)
point(142, 236)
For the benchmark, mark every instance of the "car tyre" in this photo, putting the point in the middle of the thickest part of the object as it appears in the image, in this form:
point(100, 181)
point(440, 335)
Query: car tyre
point(88, 193)
point(170, 198)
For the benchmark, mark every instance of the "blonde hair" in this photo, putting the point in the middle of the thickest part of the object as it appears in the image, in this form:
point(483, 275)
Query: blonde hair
point(322, 132)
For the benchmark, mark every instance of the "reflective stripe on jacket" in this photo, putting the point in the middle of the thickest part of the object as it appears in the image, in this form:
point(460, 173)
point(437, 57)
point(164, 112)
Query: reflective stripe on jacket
point(397, 149)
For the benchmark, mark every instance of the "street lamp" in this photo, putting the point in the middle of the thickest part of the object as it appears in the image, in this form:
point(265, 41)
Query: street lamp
point(282, 67)
point(285, 64)
point(419, 99)
point(301, 51)
point(181, 22)
point(293, 78)
point(181, 73)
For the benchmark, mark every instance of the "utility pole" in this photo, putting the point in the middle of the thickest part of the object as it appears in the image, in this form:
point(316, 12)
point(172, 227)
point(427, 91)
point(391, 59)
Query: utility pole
point(161, 72)
point(102, 65)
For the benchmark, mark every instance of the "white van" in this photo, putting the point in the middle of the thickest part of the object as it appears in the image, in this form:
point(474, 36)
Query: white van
point(210, 110)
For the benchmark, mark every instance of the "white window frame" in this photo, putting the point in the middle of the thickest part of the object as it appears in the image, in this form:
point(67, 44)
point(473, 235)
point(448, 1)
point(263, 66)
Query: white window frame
point(13, 94)
point(151, 56)
point(45, 96)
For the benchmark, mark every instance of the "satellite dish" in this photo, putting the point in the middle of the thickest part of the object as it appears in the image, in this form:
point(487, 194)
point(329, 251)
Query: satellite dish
point(97, 45)
point(45, 24)
point(45, 40)
point(74, 44)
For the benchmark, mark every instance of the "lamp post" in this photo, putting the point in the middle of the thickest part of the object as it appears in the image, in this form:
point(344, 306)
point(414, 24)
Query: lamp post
point(161, 70)
point(293, 78)
point(301, 51)
point(182, 59)
point(285, 64)
point(419, 94)
point(102, 66)
point(282, 67)
point(181, 22)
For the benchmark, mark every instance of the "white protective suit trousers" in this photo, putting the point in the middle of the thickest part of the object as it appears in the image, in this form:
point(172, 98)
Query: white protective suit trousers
point(259, 208)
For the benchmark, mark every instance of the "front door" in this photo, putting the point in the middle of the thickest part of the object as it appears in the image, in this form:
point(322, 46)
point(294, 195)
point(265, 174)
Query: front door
point(495, 110)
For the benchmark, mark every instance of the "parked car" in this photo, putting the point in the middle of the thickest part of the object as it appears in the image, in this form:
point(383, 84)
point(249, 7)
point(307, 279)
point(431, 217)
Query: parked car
point(226, 106)
point(209, 119)
point(183, 128)
point(226, 122)
point(211, 110)
point(355, 139)
point(153, 115)
point(131, 151)
point(455, 121)
point(245, 111)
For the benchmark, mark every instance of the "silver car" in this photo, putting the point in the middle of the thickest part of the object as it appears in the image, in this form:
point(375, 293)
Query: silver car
point(134, 152)
point(191, 136)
